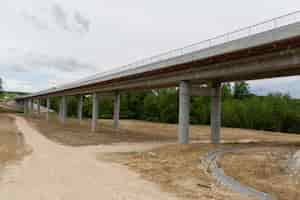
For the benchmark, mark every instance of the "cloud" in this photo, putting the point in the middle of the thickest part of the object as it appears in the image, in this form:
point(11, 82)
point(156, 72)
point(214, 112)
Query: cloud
point(17, 85)
point(287, 85)
point(62, 20)
point(33, 62)
point(82, 21)
point(35, 21)
point(60, 16)
point(73, 22)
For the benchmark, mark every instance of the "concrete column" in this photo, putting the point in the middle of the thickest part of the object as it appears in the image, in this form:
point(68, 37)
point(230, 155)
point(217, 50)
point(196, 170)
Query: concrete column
point(116, 110)
point(59, 110)
point(95, 111)
point(26, 107)
point(184, 112)
point(63, 109)
point(38, 106)
point(215, 116)
point(31, 107)
point(48, 108)
point(79, 107)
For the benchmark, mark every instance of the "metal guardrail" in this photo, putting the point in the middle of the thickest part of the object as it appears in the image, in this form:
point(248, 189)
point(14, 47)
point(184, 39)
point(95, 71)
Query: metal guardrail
point(221, 39)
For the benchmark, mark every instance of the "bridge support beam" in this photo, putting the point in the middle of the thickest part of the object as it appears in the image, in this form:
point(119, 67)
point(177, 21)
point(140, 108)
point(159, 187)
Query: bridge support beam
point(116, 110)
point(184, 112)
point(38, 106)
point(31, 109)
point(48, 104)
point(95, 111)
point(215, 116)
point(26, 106)
point(79, 107)
point(63, 109)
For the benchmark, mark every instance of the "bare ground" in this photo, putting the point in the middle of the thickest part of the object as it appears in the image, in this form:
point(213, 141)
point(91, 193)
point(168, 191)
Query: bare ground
point(174, 167)
point(55, 171)
point(75, 134)
point(11, 147)
point(264, 168)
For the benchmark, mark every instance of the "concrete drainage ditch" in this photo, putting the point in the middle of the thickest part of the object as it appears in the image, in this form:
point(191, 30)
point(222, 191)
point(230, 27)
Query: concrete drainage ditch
point(209, 162)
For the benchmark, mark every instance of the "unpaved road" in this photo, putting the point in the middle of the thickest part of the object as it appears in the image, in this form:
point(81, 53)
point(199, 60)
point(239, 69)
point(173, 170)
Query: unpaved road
point(57, 172)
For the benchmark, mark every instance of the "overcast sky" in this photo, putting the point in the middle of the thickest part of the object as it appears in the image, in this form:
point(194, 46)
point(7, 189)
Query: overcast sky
point(45, 43)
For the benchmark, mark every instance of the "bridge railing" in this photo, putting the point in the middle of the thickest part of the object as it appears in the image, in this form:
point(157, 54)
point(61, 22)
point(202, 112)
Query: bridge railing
point(221, 39)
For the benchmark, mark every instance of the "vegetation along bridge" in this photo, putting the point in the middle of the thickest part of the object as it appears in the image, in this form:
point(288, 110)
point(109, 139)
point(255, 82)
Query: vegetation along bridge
point(265, 50)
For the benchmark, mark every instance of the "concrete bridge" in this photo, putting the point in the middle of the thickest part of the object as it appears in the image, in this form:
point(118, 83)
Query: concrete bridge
point(265, 50)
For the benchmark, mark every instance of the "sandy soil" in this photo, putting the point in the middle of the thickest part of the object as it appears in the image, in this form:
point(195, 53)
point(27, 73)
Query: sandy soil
point(55, 172)
point(264, 168)
point(176, 168)
point(11, 147)
point(78, 134)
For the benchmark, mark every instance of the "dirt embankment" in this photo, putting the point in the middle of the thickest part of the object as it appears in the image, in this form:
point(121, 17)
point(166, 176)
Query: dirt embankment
point(265, 169)
point(78, 134)
point(54, 171)
point(11, 140)
point(176, 168)
point(74, 133)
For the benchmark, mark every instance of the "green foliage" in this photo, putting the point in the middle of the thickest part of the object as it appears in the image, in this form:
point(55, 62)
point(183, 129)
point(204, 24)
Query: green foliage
point(241, 90)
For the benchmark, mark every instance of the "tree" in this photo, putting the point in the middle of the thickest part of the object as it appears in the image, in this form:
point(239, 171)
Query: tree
point(241, 90)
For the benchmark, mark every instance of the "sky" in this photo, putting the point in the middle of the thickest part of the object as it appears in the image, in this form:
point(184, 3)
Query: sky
point(46, 43)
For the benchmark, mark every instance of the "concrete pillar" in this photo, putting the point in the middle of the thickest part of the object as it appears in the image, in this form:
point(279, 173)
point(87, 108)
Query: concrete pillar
point(215, 116)
point(38, 106)
point(48, 108)
point(59, 110)
point(116, 110)
point(63, 109)
point(26, 107)
point(95, 111)
point(184, 112)
point(31, 109)
point(79, 107)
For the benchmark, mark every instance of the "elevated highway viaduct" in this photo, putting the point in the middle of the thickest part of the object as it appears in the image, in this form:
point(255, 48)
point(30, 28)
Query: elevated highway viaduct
point(266, 50)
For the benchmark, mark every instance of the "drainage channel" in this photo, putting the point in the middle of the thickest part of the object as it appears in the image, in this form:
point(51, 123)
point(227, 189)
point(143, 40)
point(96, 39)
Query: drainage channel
point(209, 162)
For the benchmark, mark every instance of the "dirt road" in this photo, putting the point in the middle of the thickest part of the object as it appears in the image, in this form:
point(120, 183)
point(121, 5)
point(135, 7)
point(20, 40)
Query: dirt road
point(57, 172)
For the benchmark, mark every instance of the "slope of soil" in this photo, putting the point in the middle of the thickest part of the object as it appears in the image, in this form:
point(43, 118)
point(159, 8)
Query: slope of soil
point(264, 168)
point(77, 134)
point(176, 168)
point(10, 140)
point(55, 171)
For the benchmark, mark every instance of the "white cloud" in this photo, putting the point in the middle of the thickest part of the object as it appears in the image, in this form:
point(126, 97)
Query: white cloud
point(17, 85)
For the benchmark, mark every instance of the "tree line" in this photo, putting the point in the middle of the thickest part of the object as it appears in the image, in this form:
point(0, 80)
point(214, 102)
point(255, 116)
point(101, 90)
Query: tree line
point(240, 108)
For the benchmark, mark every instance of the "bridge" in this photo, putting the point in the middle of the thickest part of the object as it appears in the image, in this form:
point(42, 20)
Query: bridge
point(265, 50)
